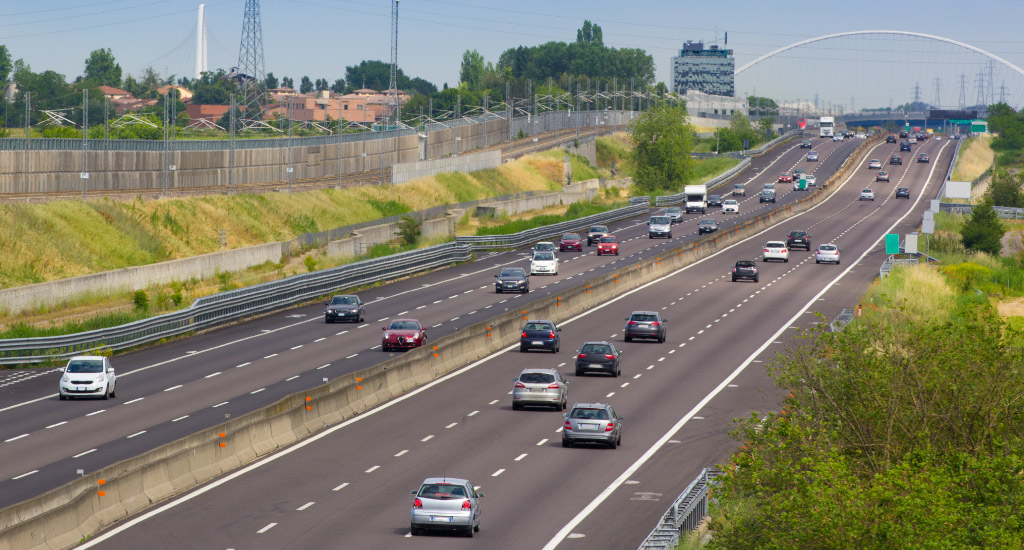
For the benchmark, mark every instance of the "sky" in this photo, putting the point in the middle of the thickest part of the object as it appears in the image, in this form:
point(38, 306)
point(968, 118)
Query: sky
point(319, 38)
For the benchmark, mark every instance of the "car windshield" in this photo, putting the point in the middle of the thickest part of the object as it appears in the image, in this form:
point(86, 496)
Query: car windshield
point(86, 366)
point(344, 301)
point(512, 272)
point(731, 202)
point(674, 210)
point(538, 326)
point(714, 197)
point(826, 247)
point(738, 186)
point(543, 256)
point(570, 237)
point(660, 219)
point(589, 414)
point(536, 378)
point(544, 246)
point(643, 317)
point(709, 222)
point(608, 239)
point(767, 191)
point(599, 229)
point(442, 491)
point(596, 349)
point(403, 325)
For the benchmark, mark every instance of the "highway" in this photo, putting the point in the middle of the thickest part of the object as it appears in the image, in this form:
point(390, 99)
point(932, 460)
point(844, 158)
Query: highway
point(166, 392)
point(348, 487)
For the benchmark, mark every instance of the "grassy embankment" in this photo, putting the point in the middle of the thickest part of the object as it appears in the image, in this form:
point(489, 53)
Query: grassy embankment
point(976, 156)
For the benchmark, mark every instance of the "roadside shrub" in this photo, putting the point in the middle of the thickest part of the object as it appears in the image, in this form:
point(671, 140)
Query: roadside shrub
point(310, 262)
point(141, 300)
point(409, 229)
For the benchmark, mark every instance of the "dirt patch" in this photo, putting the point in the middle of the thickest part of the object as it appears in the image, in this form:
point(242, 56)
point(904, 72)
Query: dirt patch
point(1013, 307)
point(1013, 244)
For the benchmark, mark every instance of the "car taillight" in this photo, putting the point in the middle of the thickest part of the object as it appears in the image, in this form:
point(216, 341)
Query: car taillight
point(524, 334)
point(608, 356)
point(734, 270)
point(417, 503)
point(520, 385)
point(609, 427)
point(766, 250)
point(551, 334)
point(568, 426)
point(655, 324)
point(632, 323)
point(554, 386)
point(581, 356)
point(467, 505)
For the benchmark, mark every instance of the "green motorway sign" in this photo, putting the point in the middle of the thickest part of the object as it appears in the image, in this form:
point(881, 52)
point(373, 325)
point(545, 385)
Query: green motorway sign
point(892, 243)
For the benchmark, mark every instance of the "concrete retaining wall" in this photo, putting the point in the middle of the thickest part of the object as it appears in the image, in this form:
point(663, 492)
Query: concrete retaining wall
point(463, 163)
point(61, 517)
point(576, 192)
point(362, 239)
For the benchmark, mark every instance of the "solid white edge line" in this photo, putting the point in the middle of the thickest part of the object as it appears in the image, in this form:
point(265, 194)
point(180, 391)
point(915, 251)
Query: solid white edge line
point(590, 507)
point(313, 439)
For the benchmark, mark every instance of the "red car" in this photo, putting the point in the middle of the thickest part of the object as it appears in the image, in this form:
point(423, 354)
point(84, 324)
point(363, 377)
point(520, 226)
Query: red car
point(608, 245)
point(786, 177)
point(570, 241)
point(403, 334)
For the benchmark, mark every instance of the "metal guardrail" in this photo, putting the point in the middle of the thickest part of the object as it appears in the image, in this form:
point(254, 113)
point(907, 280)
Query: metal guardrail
point(685, 514)
point(949, 172)
point(1005, 212)
point(668, 200)
point(886, 268)
point(515, 240)
point(840, 322)
point(226, 307)
point(767, 146)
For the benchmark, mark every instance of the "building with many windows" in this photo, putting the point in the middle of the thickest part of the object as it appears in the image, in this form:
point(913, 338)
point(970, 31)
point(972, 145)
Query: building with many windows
point(710, 70)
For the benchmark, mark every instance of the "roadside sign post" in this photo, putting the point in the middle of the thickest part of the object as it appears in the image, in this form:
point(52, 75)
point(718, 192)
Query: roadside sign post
point(910, 246)
point(892, 243)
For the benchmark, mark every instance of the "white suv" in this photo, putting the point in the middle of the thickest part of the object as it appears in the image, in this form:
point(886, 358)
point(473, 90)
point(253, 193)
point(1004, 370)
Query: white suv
point(866, 195)
point(775, 250)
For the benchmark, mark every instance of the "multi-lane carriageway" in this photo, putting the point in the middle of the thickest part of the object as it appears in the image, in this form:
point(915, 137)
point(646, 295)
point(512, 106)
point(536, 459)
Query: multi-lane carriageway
point(348, 486)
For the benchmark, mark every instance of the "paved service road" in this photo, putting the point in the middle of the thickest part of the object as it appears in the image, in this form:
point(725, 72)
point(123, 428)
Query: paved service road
point(349, 485)
point(169, 391)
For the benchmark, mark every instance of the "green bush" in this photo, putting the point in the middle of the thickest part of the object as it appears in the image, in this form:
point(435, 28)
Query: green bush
point(310, 262)
point(409, 229)
point(141, 300)
point(388, 208)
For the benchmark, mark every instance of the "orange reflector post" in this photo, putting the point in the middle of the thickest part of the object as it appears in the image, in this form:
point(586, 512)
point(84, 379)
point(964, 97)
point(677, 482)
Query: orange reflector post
point(222, 434)
point(359, 379)
point(101, 482)
point(308, 398)
point(222, 444)
point(102, 493)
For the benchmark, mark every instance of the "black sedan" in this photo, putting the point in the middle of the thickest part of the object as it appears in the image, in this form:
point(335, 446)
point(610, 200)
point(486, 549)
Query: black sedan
point(344, 308)
point(512, 279)
point(715, 200)
point(540, 335)
point(598, 357)
point(902, 193)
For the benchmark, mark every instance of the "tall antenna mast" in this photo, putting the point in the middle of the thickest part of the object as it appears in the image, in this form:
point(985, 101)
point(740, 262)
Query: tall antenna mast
point(963, 91)
point(251, 72)
point(201, 66)
point(938, 92)
point(393, 85)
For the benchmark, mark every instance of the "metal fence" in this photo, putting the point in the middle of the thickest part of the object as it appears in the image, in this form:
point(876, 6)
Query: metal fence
point(840, 322)
point(966, 209)
point(226, 307)
point(685, 514)
point(529, 236)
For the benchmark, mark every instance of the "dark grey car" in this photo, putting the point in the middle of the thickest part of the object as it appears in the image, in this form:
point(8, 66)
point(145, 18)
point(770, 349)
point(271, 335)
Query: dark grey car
point(512, 279)
point(595, 233)
point(344, 308)
point(707, 226)
point(598, 357)
point(645, 324)
point(714, 200)
point(592, 423)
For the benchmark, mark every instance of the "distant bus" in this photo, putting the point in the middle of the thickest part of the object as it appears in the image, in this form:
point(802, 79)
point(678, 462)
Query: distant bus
point(826, 126)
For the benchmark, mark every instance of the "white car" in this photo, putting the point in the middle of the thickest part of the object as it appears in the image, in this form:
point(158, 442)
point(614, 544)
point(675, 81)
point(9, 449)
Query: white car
point(866, 195)
point(860, 135)
point(826, 253)
point(837, 138)
point(88, 376)
point(775, 250)
point(544, 262)
point(812, 156)
point(811, 180)
point(912, 139)
point(874, 164)
point(731, 205)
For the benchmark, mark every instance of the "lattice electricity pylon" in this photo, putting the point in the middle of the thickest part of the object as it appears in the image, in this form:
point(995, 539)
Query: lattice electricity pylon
point(250, 72)
point(393, 98)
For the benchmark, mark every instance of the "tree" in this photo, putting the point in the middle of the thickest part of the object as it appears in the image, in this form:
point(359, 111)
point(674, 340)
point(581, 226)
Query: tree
point(321, 84)
point(212, 89)
point(287, 82)
point(1005, 189)
point(765, 126)
point(101, 69)
point(983, 231)
point(271, 81)
point(339, 86)
point(663, 138)
point(471, 72)
point(306, 85)
point(6, 65)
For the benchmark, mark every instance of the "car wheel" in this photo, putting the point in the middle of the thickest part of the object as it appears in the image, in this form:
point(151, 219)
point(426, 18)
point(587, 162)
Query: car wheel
point(566, 443)
point(629, 338)
point(361, 319)
point(497, 291)
point(113, 392)
point(557, 348)
point(616, 253)
point(565, 403)
point(522, 349)
point(817, 261)
point(579, 372)
point(615, 373)
point(618, 441)
point(756, 279)
point(785, 260)
point(734, 279)
point(326, 320)
point(414, 531)
point(385, 349)
point(612, 445)
point(477, 528)
point(63, 397)
point(515, 406)
point(106, 393)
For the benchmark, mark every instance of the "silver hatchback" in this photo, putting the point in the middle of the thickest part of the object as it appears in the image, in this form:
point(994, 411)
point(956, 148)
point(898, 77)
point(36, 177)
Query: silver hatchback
point(447, 504)
point(540, 387)
point(592, 423)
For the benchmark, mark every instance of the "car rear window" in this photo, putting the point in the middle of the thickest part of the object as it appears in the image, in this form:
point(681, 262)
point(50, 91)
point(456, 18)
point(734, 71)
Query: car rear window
point(599, 228)
point(797, 234)
point(85, 366)
point(643, 317)
point(538, 326)
point(442, 491)
point(589, 414)
point(596, 349)
point(608, 240)
point(674, 209)
point(826, 247)
point(660, 219)
point(775, 244)
point(536, 378)
point(745, 263)
point(403, 325)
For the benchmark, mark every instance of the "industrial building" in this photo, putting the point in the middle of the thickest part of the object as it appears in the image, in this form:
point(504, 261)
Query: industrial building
point(710, 70)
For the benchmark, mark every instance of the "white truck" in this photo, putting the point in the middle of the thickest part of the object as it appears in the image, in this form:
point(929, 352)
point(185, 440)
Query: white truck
point(826, 126)
point(696, 198)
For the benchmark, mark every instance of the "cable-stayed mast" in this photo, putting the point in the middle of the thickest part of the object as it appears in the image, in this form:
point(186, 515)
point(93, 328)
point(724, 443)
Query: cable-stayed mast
point(201, 66)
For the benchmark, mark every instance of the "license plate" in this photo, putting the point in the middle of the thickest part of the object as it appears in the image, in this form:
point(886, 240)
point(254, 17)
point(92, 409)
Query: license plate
point(594, 366)
point(591, 427)
point(446, 519)
point(79, 388)
point(644, 325)
point(538, 343)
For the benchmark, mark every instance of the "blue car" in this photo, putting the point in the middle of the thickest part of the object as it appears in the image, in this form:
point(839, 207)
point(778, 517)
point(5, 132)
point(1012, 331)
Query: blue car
point(541, 335)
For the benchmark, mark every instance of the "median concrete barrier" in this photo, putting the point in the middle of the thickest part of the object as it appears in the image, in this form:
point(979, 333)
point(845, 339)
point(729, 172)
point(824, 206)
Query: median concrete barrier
point(62, 517)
